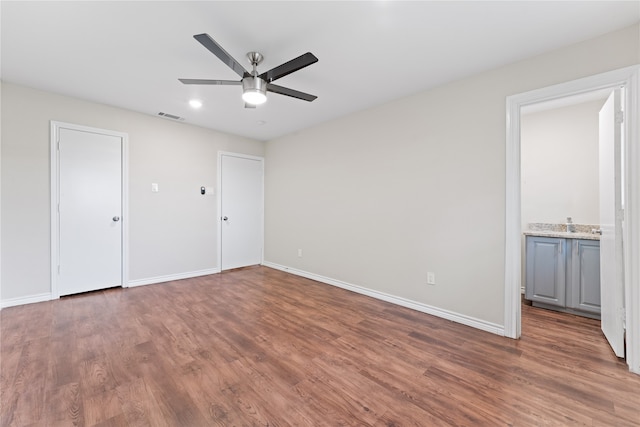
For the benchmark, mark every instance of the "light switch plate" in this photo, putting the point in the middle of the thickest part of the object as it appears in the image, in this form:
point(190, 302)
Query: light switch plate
point(210, 191)
point(154, 187)
point(431, 278)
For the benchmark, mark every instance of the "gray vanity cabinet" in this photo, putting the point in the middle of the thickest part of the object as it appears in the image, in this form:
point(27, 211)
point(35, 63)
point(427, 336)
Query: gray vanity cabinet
point(585, 276)
point(545, 270)
point(563, 274)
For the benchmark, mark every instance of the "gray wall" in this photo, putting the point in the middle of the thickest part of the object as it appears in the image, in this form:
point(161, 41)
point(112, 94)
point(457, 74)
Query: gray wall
point(379, 198)
point(172, 232)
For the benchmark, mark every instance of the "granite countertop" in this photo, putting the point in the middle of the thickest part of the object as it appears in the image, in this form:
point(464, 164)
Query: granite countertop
point(582, 231)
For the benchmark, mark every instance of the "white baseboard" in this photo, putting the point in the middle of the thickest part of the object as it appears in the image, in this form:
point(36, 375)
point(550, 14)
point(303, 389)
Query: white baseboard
point(138, 282)
point(132, 283)
point(424, 308)
point(172, 277)
point(25, 300)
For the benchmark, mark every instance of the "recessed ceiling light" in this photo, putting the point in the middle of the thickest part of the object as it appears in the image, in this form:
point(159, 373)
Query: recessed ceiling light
point(195, 103)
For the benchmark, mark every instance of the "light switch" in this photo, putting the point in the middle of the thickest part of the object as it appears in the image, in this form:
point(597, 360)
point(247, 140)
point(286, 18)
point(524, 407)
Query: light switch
point(154, 187)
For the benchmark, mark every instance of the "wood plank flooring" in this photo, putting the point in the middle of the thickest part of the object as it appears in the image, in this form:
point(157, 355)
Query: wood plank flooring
point(259, 347)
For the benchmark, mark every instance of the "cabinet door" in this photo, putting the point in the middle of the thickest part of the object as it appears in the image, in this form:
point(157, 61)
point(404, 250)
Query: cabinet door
point(545, 280)
point(585, 276)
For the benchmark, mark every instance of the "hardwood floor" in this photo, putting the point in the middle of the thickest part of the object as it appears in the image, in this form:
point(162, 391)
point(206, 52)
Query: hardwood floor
point(258, 347)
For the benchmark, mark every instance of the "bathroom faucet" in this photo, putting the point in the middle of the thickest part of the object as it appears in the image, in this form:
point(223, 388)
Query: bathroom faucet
point(570, 226)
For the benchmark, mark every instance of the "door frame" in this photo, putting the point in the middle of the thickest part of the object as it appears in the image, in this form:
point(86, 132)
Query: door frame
point(55, 184)
point(629, 78)
point(219, 202)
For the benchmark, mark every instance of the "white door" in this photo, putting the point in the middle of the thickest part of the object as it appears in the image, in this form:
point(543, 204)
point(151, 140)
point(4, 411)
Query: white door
point(90, 211)
point(241, 210)
point(611, 255)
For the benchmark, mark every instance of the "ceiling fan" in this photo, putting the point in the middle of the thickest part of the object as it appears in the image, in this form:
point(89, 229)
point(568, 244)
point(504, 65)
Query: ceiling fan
point(254, 86)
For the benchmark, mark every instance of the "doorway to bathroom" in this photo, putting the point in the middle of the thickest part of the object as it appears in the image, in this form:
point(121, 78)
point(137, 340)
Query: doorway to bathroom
point(516, 175)
point(567, 178)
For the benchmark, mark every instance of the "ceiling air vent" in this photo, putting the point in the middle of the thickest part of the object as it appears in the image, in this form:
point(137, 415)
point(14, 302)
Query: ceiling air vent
point(171, 116)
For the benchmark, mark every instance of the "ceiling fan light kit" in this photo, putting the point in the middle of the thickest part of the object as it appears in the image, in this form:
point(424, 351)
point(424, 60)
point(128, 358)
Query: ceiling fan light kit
point(255, 86)
point(254, 90)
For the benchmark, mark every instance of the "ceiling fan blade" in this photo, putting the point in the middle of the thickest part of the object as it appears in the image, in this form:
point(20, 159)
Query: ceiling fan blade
point(289, 67)
point(210, 82)
point(206, 41)
point(290, 92)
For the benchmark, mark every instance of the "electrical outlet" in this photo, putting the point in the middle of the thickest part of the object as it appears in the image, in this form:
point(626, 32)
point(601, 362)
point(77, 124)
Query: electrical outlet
point(431, 278)
point(299, 253)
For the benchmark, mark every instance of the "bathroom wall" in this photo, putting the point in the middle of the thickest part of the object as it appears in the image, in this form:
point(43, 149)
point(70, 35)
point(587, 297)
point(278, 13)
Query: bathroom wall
point(559, 155)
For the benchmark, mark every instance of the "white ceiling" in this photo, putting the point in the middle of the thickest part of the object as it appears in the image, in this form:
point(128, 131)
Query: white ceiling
point(131, 54)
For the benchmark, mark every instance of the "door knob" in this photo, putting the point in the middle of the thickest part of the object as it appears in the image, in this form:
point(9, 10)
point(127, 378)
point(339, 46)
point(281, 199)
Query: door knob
point(116, 218)
point(224, 218)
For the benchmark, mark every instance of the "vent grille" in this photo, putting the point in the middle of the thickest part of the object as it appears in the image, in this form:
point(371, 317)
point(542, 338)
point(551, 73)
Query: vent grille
point(171, 116)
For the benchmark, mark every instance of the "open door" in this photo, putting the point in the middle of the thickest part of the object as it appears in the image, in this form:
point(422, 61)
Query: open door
point(611, 255)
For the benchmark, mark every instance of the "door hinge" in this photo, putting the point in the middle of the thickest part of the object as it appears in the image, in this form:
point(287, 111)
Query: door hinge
point(619, 117)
